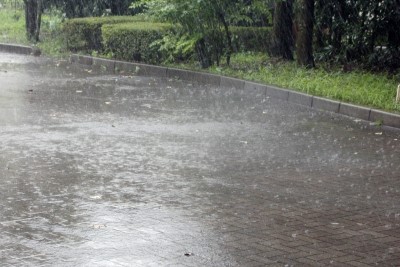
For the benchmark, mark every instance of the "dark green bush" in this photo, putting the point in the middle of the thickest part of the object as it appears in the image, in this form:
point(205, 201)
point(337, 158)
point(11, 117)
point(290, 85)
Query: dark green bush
point(253, 39)
point(84, 34)
point(134, 41)
point(210, 48)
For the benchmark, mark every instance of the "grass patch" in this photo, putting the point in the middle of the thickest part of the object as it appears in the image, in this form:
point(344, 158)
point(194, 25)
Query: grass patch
point(51, 40)
point(12, 30)
point(12, 26)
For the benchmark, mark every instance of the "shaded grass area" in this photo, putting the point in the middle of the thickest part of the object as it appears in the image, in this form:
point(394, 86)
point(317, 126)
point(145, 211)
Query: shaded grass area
point(12, 30)
point(12, 27)
point(358, 87)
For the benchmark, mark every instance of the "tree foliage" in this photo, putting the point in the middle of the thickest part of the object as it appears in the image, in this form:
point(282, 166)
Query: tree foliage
point(86, 8)
point(365, 32)
point(340, 31)
point(204, 25)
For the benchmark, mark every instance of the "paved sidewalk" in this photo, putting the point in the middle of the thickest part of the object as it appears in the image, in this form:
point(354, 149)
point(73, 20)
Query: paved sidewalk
point(103, 170)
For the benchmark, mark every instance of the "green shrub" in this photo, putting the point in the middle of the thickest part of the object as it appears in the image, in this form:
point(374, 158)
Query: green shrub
point(178, 47)
point(84, 34)
point(254, 39)
point(134, 41)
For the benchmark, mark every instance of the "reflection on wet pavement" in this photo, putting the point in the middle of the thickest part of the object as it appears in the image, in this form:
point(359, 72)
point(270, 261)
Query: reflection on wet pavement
point(104, 170)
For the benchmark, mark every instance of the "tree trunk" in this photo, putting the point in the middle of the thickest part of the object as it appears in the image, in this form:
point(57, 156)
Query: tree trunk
point(38, 21)
point(33, 15)
point(228, 36)
point(203, 54)
point(30, 18)
point(283, 41)
point(304, 40)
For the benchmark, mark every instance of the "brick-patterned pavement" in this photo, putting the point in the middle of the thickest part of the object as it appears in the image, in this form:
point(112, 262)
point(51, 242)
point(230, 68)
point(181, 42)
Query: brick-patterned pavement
point(133, 171)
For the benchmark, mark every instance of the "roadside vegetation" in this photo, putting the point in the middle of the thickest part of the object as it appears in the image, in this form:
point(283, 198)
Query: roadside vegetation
point(12, 26)
point(235, 40)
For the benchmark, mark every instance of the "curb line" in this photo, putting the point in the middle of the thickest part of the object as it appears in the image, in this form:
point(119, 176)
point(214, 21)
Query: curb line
point(118, 67)
point(20, 49)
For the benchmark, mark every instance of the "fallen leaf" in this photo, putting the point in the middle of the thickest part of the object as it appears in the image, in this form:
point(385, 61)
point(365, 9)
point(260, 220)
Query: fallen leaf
point(99, 226)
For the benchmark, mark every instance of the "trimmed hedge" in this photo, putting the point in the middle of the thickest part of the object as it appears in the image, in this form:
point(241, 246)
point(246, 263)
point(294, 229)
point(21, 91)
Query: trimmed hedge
point(254, 39)
point(132, 38)
point(84, 34)
point(133, 41)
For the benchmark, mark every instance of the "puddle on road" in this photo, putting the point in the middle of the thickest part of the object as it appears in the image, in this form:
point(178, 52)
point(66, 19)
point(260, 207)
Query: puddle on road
point(138, 170)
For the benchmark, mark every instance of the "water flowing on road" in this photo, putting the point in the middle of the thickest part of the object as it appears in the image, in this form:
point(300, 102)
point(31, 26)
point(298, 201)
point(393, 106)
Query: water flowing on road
point(110, 170)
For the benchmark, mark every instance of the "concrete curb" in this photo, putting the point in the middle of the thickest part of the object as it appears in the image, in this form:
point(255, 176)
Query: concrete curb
point(325, 104)
point(300, 98)
point(19, 49)
point(254, 89)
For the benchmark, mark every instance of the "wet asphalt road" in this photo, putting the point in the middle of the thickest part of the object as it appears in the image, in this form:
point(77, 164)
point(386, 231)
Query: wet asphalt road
point(103, 170)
